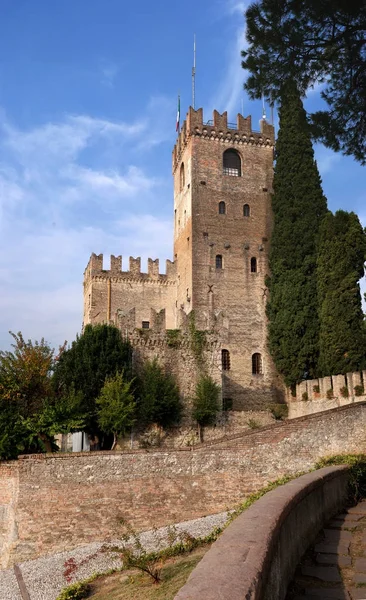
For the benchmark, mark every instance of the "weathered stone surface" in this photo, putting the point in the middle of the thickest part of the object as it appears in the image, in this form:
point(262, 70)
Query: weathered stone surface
point(333, 559)
point(360, 565)
point(323, 573)
point(332, 548)
point(332, 535)
point(338, 593)
point(358, 593)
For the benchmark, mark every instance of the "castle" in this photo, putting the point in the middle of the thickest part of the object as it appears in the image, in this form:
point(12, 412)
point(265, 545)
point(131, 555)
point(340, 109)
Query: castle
point(208, 311)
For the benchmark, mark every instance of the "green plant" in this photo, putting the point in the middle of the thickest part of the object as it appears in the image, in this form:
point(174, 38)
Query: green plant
point(330, 394)
point(253, 424)
point(305, 396)
point(316, 389)
point(279, 411)
point(158, 399)
point(76, 591)
point(359, 390)
point(357, 479)
point(206, 401)
point(344, 391)
point(173, 337)
point(116, 406)
point(197, 339)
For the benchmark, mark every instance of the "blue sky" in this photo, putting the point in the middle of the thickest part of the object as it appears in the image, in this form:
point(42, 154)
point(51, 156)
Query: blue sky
point(88, 97)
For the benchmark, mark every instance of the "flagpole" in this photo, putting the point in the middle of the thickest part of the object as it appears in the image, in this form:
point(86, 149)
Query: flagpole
point(194, 73)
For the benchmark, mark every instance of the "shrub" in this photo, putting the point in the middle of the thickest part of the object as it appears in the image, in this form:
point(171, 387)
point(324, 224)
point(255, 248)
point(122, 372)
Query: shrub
point(206, 401)
point(305, 396)
point(330, 394)
point(359, 390)
point(76, 591)
point(158, 396)
point(344, 391)
point(116, 406)
point(253, 424)
point(316, 389)
point(279, 411)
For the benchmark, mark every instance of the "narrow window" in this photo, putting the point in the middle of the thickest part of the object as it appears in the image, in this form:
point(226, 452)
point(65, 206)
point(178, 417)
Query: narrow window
point(253, 265)
point(222, 208)
point(225, 360)
point(145, 324)
point(246, 210)
point(182, 176)
point(231, 163)
point(257, 364)
point(218, 261)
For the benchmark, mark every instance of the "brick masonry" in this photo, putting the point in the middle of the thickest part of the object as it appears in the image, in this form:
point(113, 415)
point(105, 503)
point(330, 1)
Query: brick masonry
point(60, 501)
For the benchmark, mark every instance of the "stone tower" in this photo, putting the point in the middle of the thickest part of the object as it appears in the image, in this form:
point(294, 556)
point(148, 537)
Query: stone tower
point(222, 225)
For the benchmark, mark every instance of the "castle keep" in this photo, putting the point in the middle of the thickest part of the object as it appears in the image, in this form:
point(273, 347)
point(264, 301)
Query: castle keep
point(222, 225)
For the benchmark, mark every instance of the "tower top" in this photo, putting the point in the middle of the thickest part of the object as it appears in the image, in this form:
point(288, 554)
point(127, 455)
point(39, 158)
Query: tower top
point(219, 129)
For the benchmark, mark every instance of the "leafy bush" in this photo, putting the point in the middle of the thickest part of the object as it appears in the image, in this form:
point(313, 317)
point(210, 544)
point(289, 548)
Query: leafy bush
point(359, 390)
point(316, 389)
point(305, 396)
point(158, 399)
point(76, 591)
point(330, 394)
point(116, 406)
point(357, 481)
point(344, 391)
point(253, 424)
point(279, 411)
point(206, 401)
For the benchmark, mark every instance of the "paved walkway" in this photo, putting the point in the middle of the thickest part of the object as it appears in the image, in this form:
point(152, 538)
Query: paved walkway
point(335, 567)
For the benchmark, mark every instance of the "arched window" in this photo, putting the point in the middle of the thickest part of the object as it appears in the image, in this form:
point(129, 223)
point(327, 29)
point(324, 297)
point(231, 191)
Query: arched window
point(225, 360)
point(253, 265)
point(218, 261)
point(257, 368)
point(222, 208)
point(231, 163)
point(246, 210)
point(182, 177)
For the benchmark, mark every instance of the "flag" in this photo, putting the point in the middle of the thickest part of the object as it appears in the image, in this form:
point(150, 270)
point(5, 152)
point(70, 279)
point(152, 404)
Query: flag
point(178, 116)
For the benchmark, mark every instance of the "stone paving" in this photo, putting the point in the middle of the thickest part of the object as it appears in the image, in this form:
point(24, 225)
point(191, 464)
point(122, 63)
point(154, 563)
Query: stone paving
point(335, 567)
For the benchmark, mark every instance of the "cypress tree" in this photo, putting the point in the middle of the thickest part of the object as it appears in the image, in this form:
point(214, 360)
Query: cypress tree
point(341, 259)
point(298, 205)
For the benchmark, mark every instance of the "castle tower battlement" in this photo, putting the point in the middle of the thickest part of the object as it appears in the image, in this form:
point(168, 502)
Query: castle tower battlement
point(95, 269)
point(218, 129)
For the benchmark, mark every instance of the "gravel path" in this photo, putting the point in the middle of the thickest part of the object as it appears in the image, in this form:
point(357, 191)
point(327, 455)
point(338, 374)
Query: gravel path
point(44, 577)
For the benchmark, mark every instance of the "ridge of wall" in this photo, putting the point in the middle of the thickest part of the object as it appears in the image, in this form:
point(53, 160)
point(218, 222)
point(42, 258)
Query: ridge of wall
point(158, 488)
point(317, 395)
point(94, 270)
point(219, 129)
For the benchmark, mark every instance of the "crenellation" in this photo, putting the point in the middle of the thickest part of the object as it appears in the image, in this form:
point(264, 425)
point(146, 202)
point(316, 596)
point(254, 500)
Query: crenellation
point(135, 265)
point(244, 124)
point(171, 269)
point(153, 267)
point(116, 264)
point(220, 121)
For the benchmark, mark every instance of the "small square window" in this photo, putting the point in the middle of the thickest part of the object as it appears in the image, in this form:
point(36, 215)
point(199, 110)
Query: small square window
point(145, 324)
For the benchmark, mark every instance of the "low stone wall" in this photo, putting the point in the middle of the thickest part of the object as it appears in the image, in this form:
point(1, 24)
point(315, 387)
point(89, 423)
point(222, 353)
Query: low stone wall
point(257, 555)
point(61, 501)
point(317, 395)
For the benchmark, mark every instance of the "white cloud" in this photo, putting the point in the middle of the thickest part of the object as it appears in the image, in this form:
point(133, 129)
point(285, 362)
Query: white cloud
point(326, 159)
point(67, 189)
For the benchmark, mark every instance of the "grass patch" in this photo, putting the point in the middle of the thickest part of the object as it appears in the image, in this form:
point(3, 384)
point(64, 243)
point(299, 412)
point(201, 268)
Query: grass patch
point(133, 585)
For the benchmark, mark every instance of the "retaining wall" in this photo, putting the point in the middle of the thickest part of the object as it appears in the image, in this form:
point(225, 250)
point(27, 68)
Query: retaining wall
point(257, 555)
point(64, 500)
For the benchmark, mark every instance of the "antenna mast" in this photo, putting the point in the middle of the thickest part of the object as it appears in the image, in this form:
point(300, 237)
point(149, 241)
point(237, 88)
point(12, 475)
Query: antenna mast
point(194, 73)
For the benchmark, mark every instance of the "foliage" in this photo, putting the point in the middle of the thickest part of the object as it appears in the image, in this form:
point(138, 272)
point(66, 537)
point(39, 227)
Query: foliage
point(359, 390)
point(31, 412)
point(305, 396)
point(158, 399)
point(76, 591)
point(344, 391)
point(298, 206)
point(173, 337)
point(206, 401)
point(99, 352)
point(313, 42)
point(279, 411)
point(116, 406)
point(197, 338)
point(316, 389)
point(357, 480)
point(330, 394)
point(341, 258)
point(253, 424)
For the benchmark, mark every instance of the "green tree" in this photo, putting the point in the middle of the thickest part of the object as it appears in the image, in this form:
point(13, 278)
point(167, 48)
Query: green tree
point(312, 41)
point(31, 413)
point(206, 401)
point(99, 352)
point(158, 396)
point(298, 207)
point(341, 260)
point(116, 406)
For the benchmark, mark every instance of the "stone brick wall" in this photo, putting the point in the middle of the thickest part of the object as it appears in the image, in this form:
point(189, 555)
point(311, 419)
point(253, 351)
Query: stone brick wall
point(67, 500)
point(316, 395)
point(8, 501)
